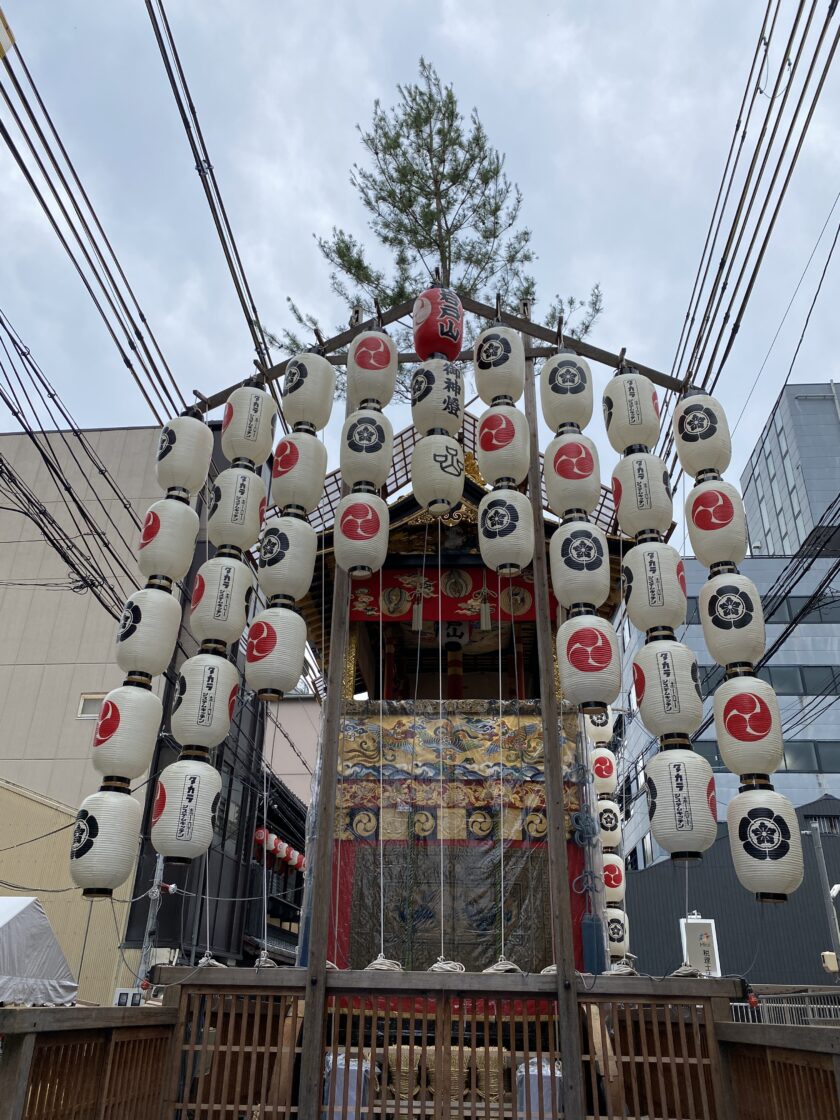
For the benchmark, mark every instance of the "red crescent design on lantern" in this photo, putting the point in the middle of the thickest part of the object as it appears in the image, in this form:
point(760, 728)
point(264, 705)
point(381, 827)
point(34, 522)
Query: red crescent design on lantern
point(638, 682)
point(747, 717)
point(160, 803)
point(655, 402)
point(496, 431)
point(616, 489)
point(372, 354)
point(573, 460)
point(603, 766)
point(681, 576)
point(286, 457)
point(198, 591)
point(107, 724)
point(360, 522)
point(234, 692)
point(262, 638)
point(588, 650)
point(151, 528)
point(228, 416)
point(613, 876)
point(260, 836)
point(712, 510)
point(711, 797)
point(262, 510)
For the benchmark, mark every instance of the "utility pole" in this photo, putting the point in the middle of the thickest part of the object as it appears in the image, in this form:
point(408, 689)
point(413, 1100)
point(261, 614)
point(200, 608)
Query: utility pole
point(830, 912)
point(150, 933)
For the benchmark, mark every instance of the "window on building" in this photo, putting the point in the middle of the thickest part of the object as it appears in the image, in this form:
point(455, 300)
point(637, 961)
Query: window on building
point(89, 705)
point(800, 755)
point(786, 680)
point(828, 610)
point(819, 679)
point(828, 756)
point(794, 502)
point(709, 750)
point(771, 466)
point(710, 677)
point(692, 611)
point(786, 543)
point(780, 614)
point(829, 826)
point(777, 496)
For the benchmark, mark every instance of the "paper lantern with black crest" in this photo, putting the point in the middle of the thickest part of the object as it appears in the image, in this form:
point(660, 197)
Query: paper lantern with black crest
point(167, 539)
point(599, 726)
point(205, 698)
point(237, 505)
point(276, 648)
point(287, 558)
point(506, 531)
point(589, 661)
point(666, 681)
point(105, 842)
point(248, 424)
point(367, 448)
point(126, 731)
point(701, 433)
point(147, 631)
point(642, 494)
point(437, 398)
point(653, 584)
point(220, 594)
point(580, 564)
point(360, 535)
point(437, 473)
point(717, 527)
point(183, 456)
point(438, 322)
point(765, 843)
point(499, 364)
point(298, 472)
point(572, 474)
point(308, 391)
point(732, 619)
point(372, 362)
point(182, 812)
point(748, 726)
point(681, 802)
point(566, 390)
point(604, 771)
point(631, 412)
point(618, 932)
point(503, 450)
point(609, 822)
point(615, 878)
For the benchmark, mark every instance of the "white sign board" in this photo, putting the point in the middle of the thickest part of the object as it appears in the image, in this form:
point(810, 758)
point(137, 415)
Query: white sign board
point(699, 944)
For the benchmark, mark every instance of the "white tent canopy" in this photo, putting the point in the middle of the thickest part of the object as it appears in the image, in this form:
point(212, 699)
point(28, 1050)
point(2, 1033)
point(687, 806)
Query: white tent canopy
point(32, 966)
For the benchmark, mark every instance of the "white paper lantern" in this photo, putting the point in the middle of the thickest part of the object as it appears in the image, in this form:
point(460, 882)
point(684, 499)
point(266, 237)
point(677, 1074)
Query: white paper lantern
point(126, 731)
point(237, 508)
point(609, 822)
point(437, 397)
point(702, 434)
point(367, 448)
point(572, 474)
point(360, 535)
point(248, 424)
point(614, 873)
point(618, 932)
point(681, 802)
point(182, 814)
point(147, 631)
point(717, 528)
point(437, 473)
point(653, 582)
point(506, 531)
point(499, 358)
point(372, 362)
point(631, 412)
point(308, 390)
point(287, 558)
point(276, 646)
point(642, 494)
point(599, 726)
point(665, 677)
point(167, 539)
point(504, 449)
point(589, 661)
point(298, 472)
point(580, 564)
point(765, 843)
point(566, 390)
point(204, 701)
point(219, 607)
point(748, 726)
point(732, 619)
point(105, 842)
point(604, 771)
point(184, 452)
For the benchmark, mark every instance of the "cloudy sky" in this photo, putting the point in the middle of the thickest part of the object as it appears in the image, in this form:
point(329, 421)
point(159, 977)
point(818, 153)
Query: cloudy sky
point(615, 119)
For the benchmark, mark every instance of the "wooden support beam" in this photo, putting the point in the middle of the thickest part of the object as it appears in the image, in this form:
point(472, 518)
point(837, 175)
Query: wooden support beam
point(558, 866)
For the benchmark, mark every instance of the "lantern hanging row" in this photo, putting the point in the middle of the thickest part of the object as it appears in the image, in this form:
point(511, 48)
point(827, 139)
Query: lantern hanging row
point(107, 827)
point(280, 849)
point(680, 783)
point(763, 829)
point(603, 768)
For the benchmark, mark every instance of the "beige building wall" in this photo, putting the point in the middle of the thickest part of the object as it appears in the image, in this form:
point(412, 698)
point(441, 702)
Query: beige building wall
point(294, 761)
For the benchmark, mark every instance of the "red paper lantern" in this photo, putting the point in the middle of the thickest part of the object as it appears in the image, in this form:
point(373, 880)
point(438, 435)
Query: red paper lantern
point(438, 324)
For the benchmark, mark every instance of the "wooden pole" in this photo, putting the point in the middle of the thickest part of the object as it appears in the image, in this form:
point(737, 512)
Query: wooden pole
point(558, 873)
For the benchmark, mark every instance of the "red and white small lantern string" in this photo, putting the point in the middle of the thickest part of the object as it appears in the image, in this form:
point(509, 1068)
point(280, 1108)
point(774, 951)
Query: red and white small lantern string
point(603, 765)
point(280, 849)
point(764, 832)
